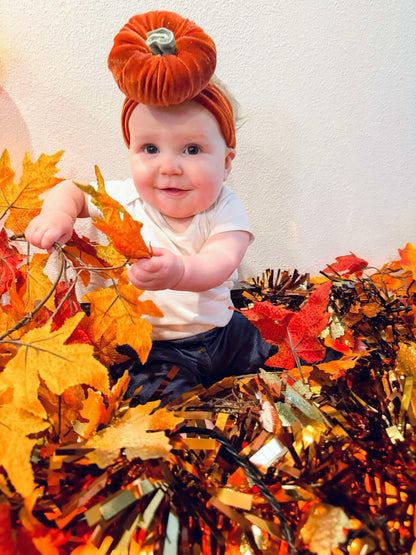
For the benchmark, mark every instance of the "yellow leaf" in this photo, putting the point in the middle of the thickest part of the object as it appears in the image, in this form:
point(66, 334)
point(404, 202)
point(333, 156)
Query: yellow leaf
point(121, 229)
point(38, 283)
point(16, 449)
point(21, 200)
point(119, 312)
point(15, 458)
point(43, 354)
point(131, 434)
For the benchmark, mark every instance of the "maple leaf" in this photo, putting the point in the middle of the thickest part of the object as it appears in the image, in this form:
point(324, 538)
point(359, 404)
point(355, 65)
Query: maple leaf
point(38, 284)
point(7, 350)
point(94, 410)
point(398, 276)
point(15, 313)
point(85, 252)
point(345, 343)
point(121, 229)
point(66, 300)
point(287, 329)
point(15, 424)
point(347, 265)
point(93, 413)
point(408, 258)
point(21, 200)
point(7, 545)
point(63, 409)
point(10, 260)
point(44, 355)
point(116, 318)
point(128, 433)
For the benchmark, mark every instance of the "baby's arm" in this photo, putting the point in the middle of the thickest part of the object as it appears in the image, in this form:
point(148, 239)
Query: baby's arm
point(62, 206)
point(214, 263)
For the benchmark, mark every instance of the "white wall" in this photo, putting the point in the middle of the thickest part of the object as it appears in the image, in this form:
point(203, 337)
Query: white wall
point(326, 157)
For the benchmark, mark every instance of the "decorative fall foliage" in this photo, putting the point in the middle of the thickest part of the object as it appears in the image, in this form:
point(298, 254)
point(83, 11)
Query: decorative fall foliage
point(296, 334)
point(21, 201)
point(317, 457)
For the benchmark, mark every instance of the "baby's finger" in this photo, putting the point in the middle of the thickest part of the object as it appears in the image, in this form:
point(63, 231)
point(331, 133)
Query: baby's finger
point(50, 237)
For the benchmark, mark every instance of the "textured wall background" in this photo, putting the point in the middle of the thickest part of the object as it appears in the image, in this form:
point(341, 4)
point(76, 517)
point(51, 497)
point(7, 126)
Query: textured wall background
point(326, 156)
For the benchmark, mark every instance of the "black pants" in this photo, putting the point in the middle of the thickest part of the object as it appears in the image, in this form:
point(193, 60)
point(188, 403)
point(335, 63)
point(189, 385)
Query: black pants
point(205, 358)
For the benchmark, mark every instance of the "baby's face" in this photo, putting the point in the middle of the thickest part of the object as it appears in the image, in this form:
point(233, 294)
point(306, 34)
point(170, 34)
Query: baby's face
point(178, 158)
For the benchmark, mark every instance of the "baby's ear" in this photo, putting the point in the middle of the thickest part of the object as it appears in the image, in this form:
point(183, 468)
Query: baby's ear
point(229, 157)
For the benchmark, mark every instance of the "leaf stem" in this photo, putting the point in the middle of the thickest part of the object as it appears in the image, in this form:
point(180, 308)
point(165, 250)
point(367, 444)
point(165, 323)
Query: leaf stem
point(295, 356)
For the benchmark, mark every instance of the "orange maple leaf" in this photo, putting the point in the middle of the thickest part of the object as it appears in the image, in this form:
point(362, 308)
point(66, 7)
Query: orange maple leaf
point(93, 413)
point(16, 311)
point(399, 275)
point(21, 200)
point(408, 258)
point(121, 229)
point(116, 318)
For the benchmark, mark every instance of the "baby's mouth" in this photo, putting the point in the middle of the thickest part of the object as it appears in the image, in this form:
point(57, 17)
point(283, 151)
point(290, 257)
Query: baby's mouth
point(174, 190)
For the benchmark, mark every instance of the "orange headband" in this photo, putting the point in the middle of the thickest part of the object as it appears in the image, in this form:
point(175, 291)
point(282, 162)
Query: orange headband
point(211, 98)
point(159, 58)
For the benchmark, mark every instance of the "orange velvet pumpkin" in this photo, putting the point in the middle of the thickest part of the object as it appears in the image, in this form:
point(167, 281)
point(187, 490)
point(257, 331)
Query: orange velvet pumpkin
point(156, 79)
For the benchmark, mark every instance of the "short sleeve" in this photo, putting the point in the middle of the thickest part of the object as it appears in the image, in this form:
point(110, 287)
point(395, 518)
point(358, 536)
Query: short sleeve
point(228, 214)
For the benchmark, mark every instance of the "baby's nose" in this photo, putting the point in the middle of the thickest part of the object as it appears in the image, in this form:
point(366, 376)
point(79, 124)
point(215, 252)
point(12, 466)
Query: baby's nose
point(170, 165)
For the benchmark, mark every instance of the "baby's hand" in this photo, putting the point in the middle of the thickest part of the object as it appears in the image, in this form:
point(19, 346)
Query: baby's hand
point(49, 228)
point(163, 271)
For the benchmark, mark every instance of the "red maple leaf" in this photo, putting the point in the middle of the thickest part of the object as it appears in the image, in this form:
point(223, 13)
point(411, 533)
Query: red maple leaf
point(7, 544)
point(86, 246)
point(10, 260)
point(346, 265)
point(66, 300)
point(293, 330)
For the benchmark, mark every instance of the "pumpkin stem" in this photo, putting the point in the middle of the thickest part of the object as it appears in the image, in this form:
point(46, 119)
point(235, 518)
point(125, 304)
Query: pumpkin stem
point(161, 41)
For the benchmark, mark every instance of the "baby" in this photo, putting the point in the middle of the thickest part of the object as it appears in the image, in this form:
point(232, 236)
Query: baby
point(180, 156)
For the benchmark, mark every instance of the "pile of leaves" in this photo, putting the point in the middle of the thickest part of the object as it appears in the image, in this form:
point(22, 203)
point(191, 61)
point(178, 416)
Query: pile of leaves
point(315, 453)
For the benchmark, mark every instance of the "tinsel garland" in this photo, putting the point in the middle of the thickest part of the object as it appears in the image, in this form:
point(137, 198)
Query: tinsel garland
point(307, 460)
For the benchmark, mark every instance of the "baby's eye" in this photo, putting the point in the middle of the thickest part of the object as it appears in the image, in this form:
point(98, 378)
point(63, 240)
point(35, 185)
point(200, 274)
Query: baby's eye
point(150, 149)
point(192, 149)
